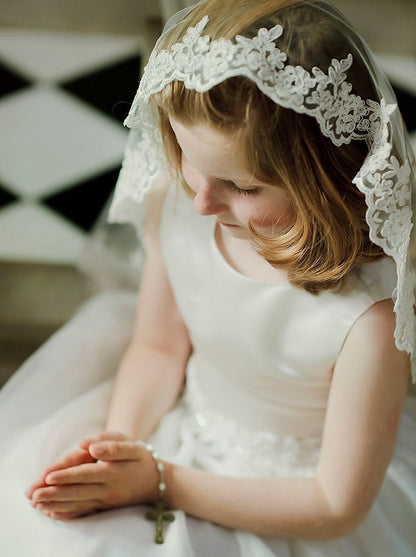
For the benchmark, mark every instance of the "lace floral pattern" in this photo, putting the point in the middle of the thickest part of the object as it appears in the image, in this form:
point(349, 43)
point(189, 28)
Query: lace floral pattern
point(224, 447)
point(202, 63)
point(386, 185)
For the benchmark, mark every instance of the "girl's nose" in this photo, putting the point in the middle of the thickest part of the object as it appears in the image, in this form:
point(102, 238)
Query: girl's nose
point(209, 199)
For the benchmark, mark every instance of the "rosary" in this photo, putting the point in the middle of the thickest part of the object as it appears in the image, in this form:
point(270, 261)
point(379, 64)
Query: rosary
point(159, 515)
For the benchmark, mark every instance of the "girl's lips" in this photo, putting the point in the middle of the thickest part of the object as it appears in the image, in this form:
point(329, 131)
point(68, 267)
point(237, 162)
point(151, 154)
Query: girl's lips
point(227, 224)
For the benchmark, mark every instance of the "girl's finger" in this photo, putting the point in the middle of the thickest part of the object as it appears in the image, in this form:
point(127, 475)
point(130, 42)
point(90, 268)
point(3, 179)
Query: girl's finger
point(108, 435)
point(30, 490)
point(65, 516)
point(116, 450)
point(73, 459)
point(78, 507)
point(90, 473)
point(77, 492)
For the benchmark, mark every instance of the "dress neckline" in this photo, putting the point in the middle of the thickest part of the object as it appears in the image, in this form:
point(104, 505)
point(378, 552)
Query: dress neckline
point(231, 269)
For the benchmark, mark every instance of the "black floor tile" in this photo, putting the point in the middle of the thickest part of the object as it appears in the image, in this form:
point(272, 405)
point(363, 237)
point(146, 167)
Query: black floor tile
point(111, 89)
point(407, 105)
point(6, 197)
point(10, 81)
point(82, 203)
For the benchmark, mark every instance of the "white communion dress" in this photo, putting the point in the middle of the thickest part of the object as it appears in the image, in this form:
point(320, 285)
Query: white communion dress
point(254, 406)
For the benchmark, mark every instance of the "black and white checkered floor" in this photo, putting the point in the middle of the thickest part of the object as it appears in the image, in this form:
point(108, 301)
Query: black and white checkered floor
point(62, 100)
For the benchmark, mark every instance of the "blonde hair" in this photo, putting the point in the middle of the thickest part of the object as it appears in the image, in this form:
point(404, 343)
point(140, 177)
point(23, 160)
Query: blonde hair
point(329, 234)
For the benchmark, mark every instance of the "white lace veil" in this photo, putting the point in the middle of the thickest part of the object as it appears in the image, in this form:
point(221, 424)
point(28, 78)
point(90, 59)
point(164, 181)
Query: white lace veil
point(387, 175)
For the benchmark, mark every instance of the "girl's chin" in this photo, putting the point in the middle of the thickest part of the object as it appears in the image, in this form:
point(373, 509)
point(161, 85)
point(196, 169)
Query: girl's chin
point(234, 231)
point(228, 225)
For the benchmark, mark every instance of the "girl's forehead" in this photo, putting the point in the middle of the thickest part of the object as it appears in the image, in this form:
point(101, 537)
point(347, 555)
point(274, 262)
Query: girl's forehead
point(210, 151)
point(214, 153)
point(204, 134)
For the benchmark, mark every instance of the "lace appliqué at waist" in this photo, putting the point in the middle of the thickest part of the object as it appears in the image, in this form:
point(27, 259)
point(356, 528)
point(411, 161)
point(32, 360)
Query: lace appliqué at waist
point(224, 447)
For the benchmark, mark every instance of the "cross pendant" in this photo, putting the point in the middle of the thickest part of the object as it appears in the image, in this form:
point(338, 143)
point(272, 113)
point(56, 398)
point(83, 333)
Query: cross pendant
point(160, 515)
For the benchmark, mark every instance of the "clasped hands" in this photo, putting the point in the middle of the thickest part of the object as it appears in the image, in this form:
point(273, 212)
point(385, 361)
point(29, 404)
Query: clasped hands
point(108, 470)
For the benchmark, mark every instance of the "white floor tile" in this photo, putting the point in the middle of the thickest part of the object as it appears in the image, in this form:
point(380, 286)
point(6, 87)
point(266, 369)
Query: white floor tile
point(52, 140)
point(400, 69)
point(49, 55)
point(33, 233)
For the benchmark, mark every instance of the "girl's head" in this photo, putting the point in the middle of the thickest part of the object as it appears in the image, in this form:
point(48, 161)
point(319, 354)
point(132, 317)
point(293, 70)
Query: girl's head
point(212, 168)
point(304, 56)
point(327, 233)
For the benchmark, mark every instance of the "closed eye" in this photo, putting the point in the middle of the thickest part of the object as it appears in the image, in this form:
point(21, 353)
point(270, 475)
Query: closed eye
point(246, 191)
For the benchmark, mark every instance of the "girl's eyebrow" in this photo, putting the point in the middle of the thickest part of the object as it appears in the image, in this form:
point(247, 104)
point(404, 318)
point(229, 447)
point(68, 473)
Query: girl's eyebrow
point(240, 182)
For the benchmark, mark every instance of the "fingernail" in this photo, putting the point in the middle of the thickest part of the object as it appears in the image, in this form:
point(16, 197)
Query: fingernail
point(98, 450)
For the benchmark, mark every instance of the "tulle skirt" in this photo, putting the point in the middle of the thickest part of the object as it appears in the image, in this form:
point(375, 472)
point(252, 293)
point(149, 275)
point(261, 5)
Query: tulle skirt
point(61, 394)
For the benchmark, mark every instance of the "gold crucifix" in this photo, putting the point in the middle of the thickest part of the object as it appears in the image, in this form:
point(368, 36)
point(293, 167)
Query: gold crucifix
point(160, 515)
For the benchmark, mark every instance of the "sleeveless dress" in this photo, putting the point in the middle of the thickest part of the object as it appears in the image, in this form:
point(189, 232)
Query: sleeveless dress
point(254, 406)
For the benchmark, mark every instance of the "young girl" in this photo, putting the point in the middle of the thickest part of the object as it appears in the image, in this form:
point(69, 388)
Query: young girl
point(268, 364)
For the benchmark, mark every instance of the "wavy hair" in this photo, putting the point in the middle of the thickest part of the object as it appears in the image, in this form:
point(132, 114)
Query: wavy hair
point(329, 234)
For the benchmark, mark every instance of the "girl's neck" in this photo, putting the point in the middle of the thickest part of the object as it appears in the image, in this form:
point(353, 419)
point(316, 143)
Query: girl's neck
point(241, 256)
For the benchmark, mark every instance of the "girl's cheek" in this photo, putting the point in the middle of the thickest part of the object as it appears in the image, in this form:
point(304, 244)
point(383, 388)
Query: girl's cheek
point(271, 221)
point(188, 175)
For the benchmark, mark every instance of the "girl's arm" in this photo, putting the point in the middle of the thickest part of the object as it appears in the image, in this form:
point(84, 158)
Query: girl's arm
point(367, 393)
point(152, 371)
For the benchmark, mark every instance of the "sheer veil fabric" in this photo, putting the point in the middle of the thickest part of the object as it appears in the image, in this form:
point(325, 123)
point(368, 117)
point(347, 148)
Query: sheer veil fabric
point(257, 382)
point(387, 176)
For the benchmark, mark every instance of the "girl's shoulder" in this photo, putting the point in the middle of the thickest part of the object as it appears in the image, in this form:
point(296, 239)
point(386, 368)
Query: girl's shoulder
point(377, 280)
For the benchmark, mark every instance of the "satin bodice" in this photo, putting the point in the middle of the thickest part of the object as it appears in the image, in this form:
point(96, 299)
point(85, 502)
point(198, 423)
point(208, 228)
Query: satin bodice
point(263, 352)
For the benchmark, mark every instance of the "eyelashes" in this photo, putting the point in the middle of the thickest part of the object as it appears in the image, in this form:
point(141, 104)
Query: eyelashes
point(228, 183)
point(243, 191)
